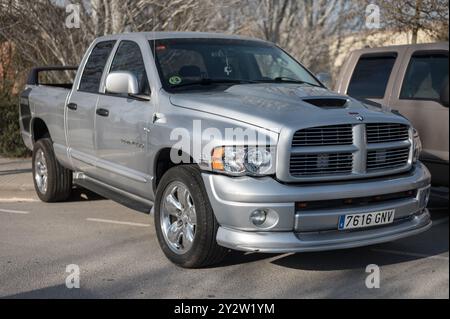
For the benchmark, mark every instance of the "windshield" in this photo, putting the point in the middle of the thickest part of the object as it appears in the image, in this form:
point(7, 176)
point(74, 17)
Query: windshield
point(189, 64)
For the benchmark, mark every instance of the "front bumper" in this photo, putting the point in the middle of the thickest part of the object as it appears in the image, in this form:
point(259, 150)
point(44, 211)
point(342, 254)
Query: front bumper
point(234, 199)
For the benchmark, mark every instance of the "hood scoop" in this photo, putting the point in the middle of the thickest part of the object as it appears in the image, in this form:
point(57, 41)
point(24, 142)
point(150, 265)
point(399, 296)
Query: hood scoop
point(327, 102)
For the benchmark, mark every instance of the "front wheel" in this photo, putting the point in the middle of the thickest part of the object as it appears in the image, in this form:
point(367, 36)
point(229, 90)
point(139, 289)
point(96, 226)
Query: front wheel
point(185, 223)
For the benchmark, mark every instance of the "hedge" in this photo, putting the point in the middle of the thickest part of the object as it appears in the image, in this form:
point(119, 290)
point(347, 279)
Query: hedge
point(11, 144)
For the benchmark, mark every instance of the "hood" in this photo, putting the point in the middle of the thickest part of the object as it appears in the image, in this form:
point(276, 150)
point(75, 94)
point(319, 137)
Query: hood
point(274, 106)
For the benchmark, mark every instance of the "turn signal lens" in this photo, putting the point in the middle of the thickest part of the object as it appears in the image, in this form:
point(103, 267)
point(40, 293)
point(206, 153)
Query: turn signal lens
point(217, 158)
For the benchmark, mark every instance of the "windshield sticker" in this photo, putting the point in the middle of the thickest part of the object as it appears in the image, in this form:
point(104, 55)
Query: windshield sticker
point(174, 80)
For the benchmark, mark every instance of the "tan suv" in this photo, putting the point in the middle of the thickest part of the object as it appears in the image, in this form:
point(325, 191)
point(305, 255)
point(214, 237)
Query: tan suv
point(412, 79)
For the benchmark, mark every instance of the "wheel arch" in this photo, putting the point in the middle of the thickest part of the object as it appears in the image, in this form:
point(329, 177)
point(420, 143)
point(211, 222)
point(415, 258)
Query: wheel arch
point(163, 163)
point(39, 129)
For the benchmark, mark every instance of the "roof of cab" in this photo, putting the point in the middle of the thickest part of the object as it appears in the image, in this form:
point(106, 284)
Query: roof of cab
point(156, 35)
point(420, 46)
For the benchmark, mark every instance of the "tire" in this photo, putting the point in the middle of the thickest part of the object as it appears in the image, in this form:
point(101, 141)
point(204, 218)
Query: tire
point(58, 179)
point(203, 250)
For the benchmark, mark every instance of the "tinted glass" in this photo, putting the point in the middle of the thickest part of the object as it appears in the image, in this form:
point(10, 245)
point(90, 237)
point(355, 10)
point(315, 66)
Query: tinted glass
point(425, 77)
point(182, 61)
point(92, 74)
point(129, 58)
point(370, 77)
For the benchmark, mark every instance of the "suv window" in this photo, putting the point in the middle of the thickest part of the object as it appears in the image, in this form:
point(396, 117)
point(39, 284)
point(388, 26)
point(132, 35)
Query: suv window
point(425, 77)
point(129, 58)
point(371, 76)
point(92, 73)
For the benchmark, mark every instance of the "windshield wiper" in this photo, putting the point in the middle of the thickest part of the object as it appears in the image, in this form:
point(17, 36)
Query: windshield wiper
point(208, 81)
point(285, 79)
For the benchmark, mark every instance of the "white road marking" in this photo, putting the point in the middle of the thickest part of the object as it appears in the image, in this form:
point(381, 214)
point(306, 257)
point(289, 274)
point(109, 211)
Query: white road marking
point(12, 211)
point(116, 222)
point(406, 253)
point(17, 199)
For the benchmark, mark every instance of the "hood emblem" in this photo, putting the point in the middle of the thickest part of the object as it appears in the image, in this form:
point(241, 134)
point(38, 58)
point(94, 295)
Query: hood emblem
point(360, 118)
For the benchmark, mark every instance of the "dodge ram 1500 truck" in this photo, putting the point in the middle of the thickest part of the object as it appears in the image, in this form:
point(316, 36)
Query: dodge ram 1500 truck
point(147, 122)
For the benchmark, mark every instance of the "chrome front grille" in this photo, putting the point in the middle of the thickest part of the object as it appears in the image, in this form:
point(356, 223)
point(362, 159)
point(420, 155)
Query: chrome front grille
point(321, 164)
point(386, 132)
point(324, 135)
point(348, 151)
point(387, 158)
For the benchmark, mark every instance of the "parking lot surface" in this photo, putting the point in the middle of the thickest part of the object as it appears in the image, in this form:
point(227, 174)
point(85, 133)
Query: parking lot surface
point(118, 256)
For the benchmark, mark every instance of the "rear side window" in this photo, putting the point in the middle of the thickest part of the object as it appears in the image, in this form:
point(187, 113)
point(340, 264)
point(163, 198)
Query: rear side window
point(425, 77)
point(92, 74)
point(129, 58)
point(371, 76)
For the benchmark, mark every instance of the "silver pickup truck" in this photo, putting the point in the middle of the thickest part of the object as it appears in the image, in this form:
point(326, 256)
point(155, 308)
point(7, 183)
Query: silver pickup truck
point(230, 142)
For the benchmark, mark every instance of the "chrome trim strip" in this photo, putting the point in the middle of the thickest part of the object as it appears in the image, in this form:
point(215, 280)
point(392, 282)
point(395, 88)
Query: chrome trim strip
point(108, 166)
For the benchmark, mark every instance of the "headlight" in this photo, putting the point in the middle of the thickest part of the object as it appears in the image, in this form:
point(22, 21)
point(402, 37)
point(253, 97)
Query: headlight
point(417, 146)
point(240, 160)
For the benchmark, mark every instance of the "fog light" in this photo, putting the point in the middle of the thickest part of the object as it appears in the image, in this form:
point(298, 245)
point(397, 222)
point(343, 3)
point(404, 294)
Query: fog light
point(258, 217)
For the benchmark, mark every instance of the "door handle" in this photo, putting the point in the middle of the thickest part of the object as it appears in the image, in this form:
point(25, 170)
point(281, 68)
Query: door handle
point(72, 106)
point(102, 112)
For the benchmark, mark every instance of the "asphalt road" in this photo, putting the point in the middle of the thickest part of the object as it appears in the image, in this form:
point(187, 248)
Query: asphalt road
point(118, 256)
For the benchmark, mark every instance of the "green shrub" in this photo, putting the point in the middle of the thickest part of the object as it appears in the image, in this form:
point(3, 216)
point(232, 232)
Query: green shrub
point(11, 144)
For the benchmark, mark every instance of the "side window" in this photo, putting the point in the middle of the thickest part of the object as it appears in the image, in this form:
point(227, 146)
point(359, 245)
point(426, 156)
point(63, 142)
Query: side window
point(371, 76)
point(129, 58)
point(92, 74)
point(425, 77)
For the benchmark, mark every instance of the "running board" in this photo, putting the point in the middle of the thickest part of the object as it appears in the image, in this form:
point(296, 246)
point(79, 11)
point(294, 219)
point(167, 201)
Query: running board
point(120, 196)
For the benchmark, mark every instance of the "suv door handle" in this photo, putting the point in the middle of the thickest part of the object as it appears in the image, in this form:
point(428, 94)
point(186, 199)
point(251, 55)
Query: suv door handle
point(102, 112)
point(72, 106)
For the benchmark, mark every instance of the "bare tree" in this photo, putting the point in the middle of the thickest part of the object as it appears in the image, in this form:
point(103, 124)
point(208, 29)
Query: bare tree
point(311, 30)
point(38, 31)
point(412, 16)
point(307, 29)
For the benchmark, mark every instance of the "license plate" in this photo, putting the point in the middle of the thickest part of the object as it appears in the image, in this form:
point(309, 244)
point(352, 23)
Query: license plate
point(352, 221)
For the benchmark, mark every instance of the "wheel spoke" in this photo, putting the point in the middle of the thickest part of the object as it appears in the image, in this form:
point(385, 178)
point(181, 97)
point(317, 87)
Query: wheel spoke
point(182, 194)
point(172, 205)
point(192, 216)
point(188, 236)
point(174, 233)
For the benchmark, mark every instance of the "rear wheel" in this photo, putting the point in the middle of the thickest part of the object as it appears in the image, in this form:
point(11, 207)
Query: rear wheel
point(52, 181)
point(184, 220)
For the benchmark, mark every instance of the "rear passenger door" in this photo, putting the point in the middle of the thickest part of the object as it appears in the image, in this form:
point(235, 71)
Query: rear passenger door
point(80, 108)
point(122, 127)
point(416, 94)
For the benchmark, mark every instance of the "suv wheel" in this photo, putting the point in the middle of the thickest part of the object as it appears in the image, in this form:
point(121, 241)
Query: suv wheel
point(52, 181)
point(185, 223)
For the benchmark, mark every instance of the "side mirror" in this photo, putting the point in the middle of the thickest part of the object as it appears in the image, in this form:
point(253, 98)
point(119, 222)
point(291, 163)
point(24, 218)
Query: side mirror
point(325, 78)
point(122, 82)
point(444, 94)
